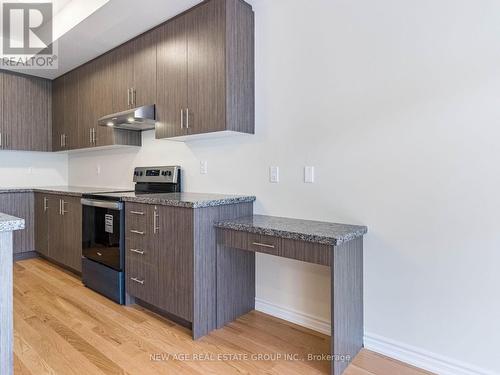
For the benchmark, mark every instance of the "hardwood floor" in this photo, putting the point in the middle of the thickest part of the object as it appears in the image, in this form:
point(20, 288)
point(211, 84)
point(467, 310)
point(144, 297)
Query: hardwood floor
point(63, 328)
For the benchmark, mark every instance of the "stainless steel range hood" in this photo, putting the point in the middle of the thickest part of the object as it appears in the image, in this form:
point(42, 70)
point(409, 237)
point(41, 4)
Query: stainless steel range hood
point(138, 119)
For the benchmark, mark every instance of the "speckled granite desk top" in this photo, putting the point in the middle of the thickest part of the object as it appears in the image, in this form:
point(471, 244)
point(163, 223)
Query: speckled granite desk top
point(304, 230)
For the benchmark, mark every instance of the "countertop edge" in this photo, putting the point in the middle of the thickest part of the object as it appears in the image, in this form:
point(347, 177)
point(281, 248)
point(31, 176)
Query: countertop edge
point(10, 223)
point(318, 239)
point(178, 203)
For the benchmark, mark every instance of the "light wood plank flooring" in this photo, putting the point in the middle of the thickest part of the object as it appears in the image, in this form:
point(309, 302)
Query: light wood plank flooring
point(64, 328)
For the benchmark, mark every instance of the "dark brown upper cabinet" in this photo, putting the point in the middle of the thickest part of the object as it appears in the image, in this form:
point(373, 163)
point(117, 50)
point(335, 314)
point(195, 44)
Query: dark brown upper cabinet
point(65, 112)
point(24, 112)
point(133, 72)
point(205, 69)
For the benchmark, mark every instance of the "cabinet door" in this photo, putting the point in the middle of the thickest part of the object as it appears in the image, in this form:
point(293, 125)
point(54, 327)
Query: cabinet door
point(87, 113)
point(25, 112)
point(42, 224)
point(206, 67)
point(102, 96)
point(121, 68)
point(70, 111)
point(171, 98)
point(71, 209)
point(20, 205)
point(175, 260)
point(144, 59)
point(2, 131)
point(56, 230)
point(57, 113)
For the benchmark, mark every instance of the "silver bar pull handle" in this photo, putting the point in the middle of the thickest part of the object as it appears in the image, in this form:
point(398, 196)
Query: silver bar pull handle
point(182, 118)
point(45, 204)
point(137, 213)
point(94, 135)
point(63, 211)
point(187, 118)
point(1, 140)
point(60, 206)
point(135, 279)
point(156, 228)
point(263, 245)
point(137, 251)
point(128, 96)
point(134, 97)
point(137, 232)
point(90, 135)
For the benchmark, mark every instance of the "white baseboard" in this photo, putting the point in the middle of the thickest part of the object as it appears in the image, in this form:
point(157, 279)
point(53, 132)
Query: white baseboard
point(421, 358)
point(293, 316)
point(417, 357)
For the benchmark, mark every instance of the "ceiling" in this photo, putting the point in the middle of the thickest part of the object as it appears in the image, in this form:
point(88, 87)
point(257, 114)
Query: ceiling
point(98, 26)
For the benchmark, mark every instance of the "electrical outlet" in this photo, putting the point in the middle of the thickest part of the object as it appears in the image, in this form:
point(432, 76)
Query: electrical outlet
point(203, 167)
point(309, 175)
point(98, 169)
point(274, 174)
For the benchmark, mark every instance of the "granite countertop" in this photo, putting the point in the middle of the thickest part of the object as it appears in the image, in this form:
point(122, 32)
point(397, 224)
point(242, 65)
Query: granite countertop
point(76, 191)
point(10, 223)
point(304, 230)
point(188, 200)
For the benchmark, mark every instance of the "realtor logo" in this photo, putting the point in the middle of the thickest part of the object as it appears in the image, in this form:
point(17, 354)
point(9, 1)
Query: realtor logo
point(27, 28)
point(27, 35)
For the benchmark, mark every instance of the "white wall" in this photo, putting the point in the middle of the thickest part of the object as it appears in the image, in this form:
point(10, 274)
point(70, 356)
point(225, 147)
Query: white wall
point(396, 103)
point(28, 169)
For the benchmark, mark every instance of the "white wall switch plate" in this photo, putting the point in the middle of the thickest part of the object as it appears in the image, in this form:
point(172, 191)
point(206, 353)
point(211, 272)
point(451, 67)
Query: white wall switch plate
point(274, 174)
point(203, 167)
point(309, 175)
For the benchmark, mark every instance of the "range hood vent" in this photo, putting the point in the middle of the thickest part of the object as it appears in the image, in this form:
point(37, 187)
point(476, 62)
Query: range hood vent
point(137, 119)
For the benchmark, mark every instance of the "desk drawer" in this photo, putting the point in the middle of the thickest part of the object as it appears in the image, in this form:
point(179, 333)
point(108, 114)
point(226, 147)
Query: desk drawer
point(232, 238)
point(306, 251)
point(264, 244)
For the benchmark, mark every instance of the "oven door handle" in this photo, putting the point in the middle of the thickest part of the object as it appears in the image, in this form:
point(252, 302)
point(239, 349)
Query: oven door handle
point(102, 204)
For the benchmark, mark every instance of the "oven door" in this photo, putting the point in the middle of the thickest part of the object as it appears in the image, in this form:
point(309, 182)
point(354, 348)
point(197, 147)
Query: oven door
point(103, 232)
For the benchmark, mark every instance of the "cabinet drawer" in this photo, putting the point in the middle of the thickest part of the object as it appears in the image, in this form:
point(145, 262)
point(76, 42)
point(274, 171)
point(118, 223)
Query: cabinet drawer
point(140, 249)
point(142, 280)
point(137, 220)
point(264, 244)
point(306, 251)
point(232, 238)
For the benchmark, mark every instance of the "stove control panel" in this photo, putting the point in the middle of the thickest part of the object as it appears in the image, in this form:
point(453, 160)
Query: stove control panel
point(157, 174)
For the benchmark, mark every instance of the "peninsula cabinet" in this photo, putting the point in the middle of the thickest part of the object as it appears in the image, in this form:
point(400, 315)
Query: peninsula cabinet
point(205, 62)
point(20, 205)
point(24, 113)
point(170, 260)
point(58, 229)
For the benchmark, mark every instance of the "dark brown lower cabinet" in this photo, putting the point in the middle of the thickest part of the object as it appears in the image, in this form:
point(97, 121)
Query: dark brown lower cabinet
point(20, 205)
point(42, 224)
point(175, 260)
point(171, 259)
point(59, 229)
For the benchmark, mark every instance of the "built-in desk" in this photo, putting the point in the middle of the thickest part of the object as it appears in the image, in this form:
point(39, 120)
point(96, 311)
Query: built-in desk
point(339, 246)
point(8, 224)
